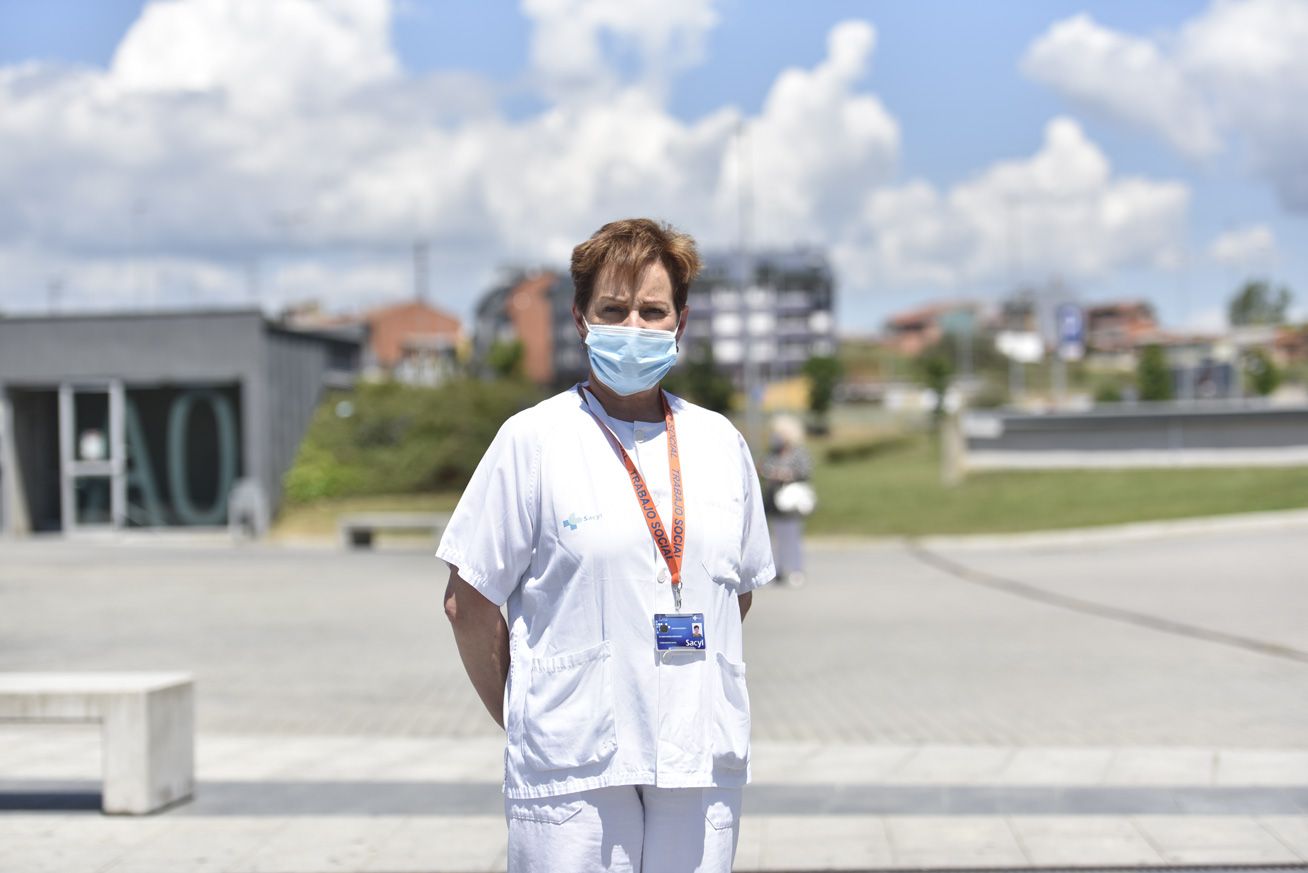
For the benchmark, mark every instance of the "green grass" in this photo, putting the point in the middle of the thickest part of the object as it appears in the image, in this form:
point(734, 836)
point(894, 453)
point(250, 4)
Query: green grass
point(898, 491)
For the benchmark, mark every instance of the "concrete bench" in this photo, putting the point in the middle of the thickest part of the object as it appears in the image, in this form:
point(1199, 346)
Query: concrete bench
point(147, 721)
point(357, 531)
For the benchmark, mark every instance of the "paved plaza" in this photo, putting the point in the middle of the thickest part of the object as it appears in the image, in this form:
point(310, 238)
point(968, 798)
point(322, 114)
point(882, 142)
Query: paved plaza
point(1129, 698)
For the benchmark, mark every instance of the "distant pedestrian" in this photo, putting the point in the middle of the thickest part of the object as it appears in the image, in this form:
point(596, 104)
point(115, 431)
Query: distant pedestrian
point(624, 530)
point(788, 496)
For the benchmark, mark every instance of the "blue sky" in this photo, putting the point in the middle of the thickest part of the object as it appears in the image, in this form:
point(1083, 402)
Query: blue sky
point(958, 89)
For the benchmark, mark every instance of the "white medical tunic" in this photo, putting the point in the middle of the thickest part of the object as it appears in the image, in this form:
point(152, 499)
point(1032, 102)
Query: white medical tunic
point(550, 525)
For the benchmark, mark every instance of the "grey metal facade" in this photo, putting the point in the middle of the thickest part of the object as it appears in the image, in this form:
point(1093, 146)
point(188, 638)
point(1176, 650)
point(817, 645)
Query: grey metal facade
point(1152, 435)
point(277, 374)
point(491, 325)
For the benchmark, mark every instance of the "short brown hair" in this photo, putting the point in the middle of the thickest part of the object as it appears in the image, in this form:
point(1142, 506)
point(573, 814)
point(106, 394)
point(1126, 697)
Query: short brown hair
point(626, 248)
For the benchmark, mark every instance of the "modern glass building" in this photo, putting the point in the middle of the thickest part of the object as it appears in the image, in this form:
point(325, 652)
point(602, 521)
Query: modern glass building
point(775, 308)
point(156, 419)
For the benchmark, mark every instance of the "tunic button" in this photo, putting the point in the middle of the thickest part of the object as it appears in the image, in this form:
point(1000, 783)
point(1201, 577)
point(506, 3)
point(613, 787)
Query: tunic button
point(663, 575)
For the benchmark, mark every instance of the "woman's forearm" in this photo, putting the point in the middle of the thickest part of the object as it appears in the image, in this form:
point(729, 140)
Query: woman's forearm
point(482, 638)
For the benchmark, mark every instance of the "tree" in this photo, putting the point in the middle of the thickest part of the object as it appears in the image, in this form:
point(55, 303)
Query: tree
point(1152, 374)
point(505, 359)
point(700, 382)
point(1255, 303)
point(1261, 372)
point(936, 370)
point(823, 372)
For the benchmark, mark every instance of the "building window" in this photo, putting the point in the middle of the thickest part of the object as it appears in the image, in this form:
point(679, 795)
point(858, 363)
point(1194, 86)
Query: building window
point(728, 351)
point(726, 323)
point(725, 298)
point(765, 350)
point(762, 323)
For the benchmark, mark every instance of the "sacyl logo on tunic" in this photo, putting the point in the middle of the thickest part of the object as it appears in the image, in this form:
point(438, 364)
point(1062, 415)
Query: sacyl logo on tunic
point(573, 520)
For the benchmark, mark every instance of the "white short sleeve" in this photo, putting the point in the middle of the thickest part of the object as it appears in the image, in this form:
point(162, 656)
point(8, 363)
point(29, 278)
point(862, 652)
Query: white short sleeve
point(756, 567)
point(492, 532)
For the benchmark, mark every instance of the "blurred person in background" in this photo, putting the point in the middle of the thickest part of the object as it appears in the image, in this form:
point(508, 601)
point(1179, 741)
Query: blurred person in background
point(788, 496)
point(624, 529)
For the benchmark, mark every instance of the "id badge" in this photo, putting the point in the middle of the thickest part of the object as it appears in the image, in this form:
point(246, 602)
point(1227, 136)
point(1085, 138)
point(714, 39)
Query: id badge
point(679, 632)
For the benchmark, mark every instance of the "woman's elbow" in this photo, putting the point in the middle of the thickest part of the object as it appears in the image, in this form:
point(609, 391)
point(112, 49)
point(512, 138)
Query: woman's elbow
point(451, 604)
point(465, 606)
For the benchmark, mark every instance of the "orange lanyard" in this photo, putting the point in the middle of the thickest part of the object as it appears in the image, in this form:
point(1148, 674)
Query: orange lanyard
point(671, 547)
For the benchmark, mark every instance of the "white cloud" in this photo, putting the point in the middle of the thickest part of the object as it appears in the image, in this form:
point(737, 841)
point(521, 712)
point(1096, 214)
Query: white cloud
point(1125, 76)
point(1237, 74)
point(588, 48)
point(1211, 320)
point(819, 145)
point(260, 56)
point(1244, 246)
point(1059, 212)
point(166, 176)
point(172, 152)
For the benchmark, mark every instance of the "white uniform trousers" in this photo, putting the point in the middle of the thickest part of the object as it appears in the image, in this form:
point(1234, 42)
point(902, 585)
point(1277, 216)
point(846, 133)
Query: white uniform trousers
point(625, 829)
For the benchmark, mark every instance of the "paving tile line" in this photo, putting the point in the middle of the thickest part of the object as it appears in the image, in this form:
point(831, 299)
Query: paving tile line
point(341, 798)
point(378, 844)
point(1090, 607)
point(1151, 868)
point(73, 753)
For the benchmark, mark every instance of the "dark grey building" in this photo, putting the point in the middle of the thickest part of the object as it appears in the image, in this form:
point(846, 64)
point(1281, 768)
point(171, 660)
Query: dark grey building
point(155, 419)
point(777, 307)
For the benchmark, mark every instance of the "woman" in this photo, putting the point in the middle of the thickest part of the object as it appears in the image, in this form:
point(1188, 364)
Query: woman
point(624, 529)
point(786, 464)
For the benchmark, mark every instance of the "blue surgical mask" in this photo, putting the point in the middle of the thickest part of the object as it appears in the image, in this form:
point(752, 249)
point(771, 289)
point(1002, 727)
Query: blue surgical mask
point(630, 359)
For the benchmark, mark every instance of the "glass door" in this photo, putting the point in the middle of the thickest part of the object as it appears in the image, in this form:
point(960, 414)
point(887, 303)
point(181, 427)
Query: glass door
point(92, 451)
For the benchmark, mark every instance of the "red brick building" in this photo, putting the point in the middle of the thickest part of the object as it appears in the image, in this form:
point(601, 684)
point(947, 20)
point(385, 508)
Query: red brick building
point(910, 333)
point(530, 311)
point(411, 323)
point(1119, 327)
point(411, 340)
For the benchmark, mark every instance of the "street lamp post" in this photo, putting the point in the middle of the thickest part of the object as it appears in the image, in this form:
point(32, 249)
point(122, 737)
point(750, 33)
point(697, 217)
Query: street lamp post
point(749, 371)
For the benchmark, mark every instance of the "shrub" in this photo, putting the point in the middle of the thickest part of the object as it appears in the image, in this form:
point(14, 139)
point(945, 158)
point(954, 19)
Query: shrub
point(402, 439)
point(1108, 392)
point(823, 372)
point(1152, 374)
point(1261, 372)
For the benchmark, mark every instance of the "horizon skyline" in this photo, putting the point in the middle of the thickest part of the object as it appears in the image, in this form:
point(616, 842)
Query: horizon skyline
point(1137, 153)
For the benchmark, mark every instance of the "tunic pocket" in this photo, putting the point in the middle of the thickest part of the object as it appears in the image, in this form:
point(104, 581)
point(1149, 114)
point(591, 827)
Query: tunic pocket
point(731, 717)
point(544, 810)
point(722, 571)
point(568, 713)
point(722, 524)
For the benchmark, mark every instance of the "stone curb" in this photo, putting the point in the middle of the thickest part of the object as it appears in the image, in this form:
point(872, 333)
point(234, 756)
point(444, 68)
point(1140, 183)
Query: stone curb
point(1134, 531)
